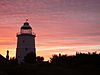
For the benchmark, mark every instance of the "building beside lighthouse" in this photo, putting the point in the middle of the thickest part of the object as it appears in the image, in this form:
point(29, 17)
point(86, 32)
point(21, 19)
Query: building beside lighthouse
point(25, 43)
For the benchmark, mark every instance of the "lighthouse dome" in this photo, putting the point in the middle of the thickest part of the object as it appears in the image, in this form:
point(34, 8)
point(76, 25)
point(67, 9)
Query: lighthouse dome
point(26, 26)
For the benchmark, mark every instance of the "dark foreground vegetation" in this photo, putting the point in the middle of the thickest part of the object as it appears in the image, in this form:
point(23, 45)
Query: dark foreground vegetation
point(80, 64)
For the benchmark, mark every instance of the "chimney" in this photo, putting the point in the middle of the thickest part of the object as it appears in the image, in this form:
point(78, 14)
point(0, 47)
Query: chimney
point(7, 56)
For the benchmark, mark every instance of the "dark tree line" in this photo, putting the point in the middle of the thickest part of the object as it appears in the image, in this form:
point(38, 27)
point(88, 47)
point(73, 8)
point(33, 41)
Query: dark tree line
point(78, 59)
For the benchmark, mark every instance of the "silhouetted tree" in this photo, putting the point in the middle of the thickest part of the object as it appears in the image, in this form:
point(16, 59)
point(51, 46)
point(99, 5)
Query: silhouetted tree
point(58, 59)
point(3, 60)
point(13, 60)
point(30, 58)
point(39, 59)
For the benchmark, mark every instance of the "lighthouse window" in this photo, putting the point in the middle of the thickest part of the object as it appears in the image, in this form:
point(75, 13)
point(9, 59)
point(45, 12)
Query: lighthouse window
point(23, 41)
point(26, 49)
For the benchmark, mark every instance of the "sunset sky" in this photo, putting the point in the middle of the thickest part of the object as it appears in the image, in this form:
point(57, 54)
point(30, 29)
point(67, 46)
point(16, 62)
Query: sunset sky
point(61, 26)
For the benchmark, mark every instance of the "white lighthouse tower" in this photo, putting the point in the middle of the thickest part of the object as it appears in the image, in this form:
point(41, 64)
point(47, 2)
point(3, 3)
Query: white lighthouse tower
point(25, 43)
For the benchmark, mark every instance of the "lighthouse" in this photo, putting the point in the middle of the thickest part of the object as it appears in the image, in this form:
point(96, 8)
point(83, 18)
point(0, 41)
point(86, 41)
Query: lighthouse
point(25, 43)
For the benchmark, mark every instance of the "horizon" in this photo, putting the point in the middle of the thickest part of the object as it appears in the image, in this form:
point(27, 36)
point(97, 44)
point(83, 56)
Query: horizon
point(61, 26)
